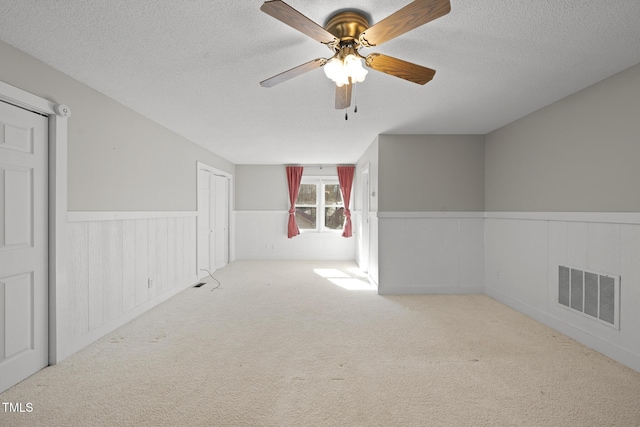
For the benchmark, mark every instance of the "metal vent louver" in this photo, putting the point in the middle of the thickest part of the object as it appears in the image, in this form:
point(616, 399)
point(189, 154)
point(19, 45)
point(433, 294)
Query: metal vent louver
point(596, 295)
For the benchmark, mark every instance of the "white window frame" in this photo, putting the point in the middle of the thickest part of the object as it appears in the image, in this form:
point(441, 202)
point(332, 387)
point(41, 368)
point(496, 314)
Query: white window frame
point(320, 182)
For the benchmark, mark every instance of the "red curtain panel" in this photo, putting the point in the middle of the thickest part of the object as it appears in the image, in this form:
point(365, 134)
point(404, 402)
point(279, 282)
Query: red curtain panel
point(345, 177)
point(294, 176)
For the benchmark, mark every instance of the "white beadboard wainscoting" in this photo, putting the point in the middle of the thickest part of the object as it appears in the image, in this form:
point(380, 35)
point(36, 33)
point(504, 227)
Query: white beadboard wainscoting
point(121, 264)
point(263, 235)
point(523, 252)
point(430, 252)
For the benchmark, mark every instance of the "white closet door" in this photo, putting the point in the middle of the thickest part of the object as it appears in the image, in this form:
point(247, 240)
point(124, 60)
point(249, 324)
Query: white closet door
point(23, 244)
point(221, 220)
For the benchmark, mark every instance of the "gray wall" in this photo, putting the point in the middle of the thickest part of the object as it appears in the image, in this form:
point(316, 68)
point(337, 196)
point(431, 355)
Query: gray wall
point(118, 160)
point(431, 173)
point(581, 153)
point(261, 187)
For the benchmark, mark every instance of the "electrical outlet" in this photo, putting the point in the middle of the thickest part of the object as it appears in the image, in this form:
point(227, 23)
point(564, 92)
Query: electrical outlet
point(150, 282)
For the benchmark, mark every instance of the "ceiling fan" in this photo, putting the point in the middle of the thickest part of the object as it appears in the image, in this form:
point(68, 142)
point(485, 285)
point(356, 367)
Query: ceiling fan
point(348, 31)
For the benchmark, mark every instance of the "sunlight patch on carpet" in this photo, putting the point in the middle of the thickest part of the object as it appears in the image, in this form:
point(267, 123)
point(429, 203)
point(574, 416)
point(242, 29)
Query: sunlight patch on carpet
point(354, 280)
point(329, 272)
point(353, 284)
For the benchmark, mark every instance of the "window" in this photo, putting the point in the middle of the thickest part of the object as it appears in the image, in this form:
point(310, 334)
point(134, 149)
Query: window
point(319, 206)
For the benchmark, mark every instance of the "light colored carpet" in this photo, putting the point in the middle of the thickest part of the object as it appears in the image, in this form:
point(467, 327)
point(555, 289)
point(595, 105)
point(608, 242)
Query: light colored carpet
point(279, 345)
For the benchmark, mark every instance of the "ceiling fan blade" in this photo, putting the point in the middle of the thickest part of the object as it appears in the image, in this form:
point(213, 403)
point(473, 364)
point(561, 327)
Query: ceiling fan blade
point(294, 72)
point(406, 19)
point(285, 13)
point(399, 68)
point(343, 96)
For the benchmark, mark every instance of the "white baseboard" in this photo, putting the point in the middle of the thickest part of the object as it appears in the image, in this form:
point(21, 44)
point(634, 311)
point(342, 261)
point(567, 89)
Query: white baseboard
point(430, 290)
point(92, 336)
point(119, 268)
point(263, 235)
point(610, 350)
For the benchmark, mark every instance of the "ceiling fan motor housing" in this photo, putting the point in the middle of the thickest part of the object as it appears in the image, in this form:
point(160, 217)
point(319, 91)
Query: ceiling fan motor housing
point(347, 26)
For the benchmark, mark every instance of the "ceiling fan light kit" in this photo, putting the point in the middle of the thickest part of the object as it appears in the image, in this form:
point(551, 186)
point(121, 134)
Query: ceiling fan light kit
point(346, 32)
point(345, 68)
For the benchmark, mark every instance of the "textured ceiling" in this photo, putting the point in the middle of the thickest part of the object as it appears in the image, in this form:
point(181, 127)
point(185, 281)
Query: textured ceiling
point(195, 66)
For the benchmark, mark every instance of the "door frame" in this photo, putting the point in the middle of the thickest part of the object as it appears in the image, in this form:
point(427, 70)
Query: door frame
point(57, 198)
point(231, 219)
point(365, 223)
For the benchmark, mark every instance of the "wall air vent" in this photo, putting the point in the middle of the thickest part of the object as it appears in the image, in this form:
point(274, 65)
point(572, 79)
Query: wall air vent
point(595, 295)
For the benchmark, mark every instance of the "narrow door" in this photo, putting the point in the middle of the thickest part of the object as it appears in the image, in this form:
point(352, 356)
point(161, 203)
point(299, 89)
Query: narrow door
point(205, 224)
point(23, 244)
point(221, 220)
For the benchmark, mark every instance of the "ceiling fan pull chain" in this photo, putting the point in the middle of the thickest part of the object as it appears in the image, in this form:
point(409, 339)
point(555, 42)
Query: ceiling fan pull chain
point(355, 97)
point(346, 115)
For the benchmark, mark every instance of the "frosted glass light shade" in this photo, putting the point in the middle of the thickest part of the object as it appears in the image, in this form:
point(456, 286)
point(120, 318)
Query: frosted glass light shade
point(333, 68)
point(353, 68)
point(340, 71)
